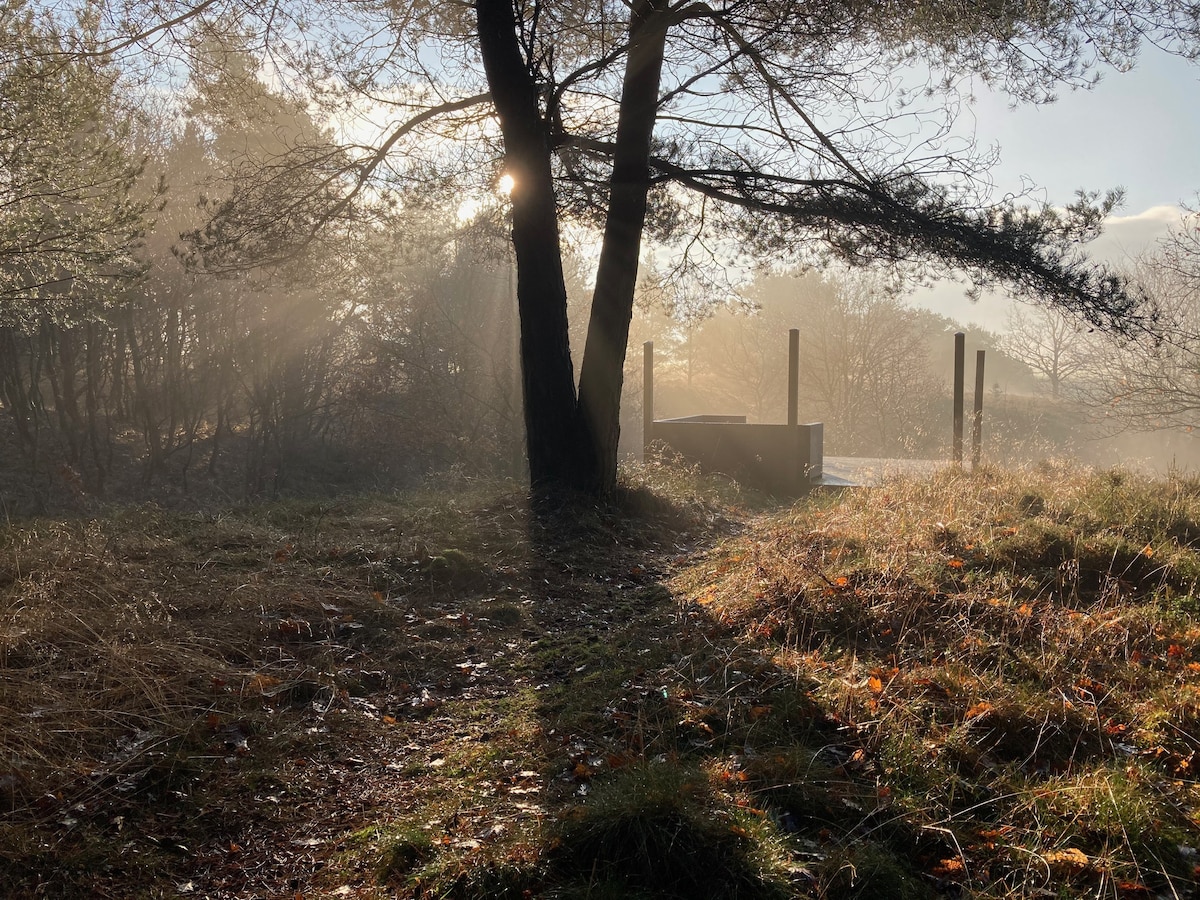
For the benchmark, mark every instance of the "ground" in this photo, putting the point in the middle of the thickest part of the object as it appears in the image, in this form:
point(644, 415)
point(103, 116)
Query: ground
point(937, 687)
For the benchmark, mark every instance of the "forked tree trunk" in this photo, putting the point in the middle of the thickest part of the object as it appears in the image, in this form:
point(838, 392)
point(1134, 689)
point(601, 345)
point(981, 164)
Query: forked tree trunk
point(573, 443)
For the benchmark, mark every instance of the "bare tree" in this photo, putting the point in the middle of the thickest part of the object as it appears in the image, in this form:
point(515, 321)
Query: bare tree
point(865, 362)
point(1052, 344)
point(1151, 384)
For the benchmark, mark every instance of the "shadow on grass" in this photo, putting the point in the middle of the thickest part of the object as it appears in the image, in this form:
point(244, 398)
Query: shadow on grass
point(363, 697)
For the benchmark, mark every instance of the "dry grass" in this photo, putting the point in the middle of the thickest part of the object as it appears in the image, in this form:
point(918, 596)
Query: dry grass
point(1012, 662)
point(983, 686)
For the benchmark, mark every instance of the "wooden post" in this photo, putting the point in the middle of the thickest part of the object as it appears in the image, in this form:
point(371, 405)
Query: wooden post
point(960, 351)
point(647, 398)
point(977, 423)
point(794, 376)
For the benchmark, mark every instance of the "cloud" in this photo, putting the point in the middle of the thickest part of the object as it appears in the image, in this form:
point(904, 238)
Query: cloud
point(1127, 237)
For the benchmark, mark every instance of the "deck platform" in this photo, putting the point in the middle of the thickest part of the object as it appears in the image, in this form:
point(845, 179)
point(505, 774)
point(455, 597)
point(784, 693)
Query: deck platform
point(867, 471)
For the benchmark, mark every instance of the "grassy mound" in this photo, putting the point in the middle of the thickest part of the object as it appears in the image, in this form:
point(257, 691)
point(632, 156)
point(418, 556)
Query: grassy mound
point(1012, 663)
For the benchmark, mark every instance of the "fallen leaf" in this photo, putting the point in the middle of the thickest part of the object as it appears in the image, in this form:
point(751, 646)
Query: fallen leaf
point(949, 869)
point(260, 684)
point(1132, 890)
point(1071, 859)
point(979, 709)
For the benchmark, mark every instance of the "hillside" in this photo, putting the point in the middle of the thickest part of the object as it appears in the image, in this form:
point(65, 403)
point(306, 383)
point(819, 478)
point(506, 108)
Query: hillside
point(982, 686)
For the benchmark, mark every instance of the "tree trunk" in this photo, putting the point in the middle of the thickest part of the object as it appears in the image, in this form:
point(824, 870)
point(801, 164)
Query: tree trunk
point(552, 432)
point(603, 371)
point(573, 444)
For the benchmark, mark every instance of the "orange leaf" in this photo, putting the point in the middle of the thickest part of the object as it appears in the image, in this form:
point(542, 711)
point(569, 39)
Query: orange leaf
point(1132, 890)
point(1071, 859)
point(260, 684)
point(948, 868)
point(979, 709)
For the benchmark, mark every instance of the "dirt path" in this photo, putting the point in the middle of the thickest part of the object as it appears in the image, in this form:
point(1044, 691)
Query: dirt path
point(367, 676)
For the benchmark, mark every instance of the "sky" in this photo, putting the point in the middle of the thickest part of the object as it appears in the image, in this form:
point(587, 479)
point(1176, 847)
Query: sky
point(1138, 130)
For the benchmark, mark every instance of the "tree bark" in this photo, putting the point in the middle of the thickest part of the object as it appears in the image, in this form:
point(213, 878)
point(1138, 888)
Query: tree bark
point(603, 371)
point(552, 431)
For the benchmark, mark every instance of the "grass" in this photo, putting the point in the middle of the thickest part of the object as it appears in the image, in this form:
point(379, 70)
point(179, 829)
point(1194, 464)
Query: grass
point(984, 686)
point(1011, 663)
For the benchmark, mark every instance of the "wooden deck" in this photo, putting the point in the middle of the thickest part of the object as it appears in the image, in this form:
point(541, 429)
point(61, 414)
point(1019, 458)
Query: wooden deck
point(855, 471)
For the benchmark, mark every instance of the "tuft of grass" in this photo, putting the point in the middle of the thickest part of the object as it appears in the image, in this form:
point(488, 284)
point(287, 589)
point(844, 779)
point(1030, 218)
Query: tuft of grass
point(405, 852)
point(657, 830)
